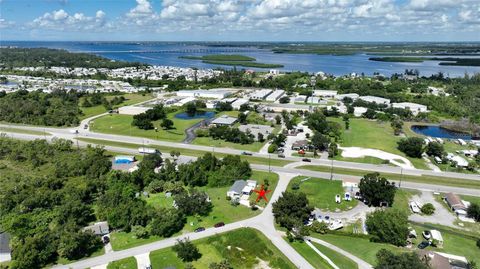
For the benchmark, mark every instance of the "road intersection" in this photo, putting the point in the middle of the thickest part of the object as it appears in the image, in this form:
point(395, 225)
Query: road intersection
point(263, 222)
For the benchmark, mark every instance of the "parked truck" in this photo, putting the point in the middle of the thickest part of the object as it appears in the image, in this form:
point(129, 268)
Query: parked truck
point(144, 150)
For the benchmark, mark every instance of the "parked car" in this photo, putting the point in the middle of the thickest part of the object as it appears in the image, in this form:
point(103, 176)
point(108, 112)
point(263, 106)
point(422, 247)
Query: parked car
point(427, 235)
point(306, 160)
point(280, 150)
point(200, 229)
point(218, 225)
point(85, 126)
point(247, 153)
point(281, 155)
point(106, 239)
point(414, 207)
point(423, 245)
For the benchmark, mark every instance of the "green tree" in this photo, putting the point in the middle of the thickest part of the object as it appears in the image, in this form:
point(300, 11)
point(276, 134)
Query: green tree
point(332, 150)
point(75, 245)
point(388, 260)
point(193, 202)
point(377, 190)
point(428, 209)
point(167, 124)
point(186, 250)
point(166, 222)
point(412, 146)
point(473, 211)
point(319, 227)
point(397, 125)
point(435, 149)
point(388, 226)
point(221, 265)
point(346, 120)
point(140, 231)
point(320, 141)
point(291, 208)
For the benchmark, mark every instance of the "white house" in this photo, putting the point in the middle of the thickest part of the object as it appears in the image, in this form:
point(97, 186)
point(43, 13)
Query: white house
point(375, 99)
point(238, 103)
point(437, 236)
point(224, 120)
point(461, 162)
point(275, 95)
point(358, 111)
point(132, 110)
point(415, 108)
point(325, 93)
point(352, 96)
point(5, 250)
point(237, 189)
point(260, 94)
point(218, 93)
point(98, 228)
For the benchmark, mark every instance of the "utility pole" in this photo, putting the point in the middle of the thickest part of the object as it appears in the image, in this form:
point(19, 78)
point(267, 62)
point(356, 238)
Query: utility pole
point(269, 170)
point(331, 171)
point(401, 177)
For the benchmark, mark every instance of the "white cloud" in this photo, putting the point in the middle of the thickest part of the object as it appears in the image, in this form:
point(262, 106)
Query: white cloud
point(61, 20)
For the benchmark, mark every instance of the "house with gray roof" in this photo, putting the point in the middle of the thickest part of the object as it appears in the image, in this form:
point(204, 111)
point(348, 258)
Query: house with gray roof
point(224, 121)
point(237, 189)
point(98, 228)
point(5, 250)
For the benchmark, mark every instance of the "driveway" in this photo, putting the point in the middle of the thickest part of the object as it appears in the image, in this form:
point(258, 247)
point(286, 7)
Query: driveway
point(441, 216)
point(143, 260)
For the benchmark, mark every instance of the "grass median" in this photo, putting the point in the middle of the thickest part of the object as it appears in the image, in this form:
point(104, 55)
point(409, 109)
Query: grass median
point(22, 131)
point(445, 181)
point(185, 152)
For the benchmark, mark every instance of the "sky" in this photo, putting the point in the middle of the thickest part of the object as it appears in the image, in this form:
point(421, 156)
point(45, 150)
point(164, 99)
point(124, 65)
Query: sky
point(240, 20)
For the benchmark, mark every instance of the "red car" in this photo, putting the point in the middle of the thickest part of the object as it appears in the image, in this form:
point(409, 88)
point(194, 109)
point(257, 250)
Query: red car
point(218, 225)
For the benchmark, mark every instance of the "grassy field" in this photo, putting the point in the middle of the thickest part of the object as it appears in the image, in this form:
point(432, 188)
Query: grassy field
point(310, 255)
point(366, 159)
point(402, 197)
point(358, 246)
point(122, 125)
point(337, 258)
point(186, 152)
point(376, 135)
point(243, 248)
point(457, 242)
point(23, 131)
point(222, 211)
point(321, 193)
point(132, 98)
point(454, 182)
point(128, 263)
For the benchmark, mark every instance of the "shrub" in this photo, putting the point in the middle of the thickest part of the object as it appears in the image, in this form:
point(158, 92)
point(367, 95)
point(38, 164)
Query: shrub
point(428, 209)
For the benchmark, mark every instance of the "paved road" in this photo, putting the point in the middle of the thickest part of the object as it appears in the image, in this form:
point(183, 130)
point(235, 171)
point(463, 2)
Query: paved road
point(276, 169)
point(263, 223)
point(361, 263)
point(65, 133)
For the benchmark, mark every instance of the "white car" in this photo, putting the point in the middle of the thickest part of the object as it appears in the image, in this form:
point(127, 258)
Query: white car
point(414, 207)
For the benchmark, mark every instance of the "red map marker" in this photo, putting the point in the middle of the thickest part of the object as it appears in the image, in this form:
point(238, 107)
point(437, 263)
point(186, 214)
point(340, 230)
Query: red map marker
point(262, 194)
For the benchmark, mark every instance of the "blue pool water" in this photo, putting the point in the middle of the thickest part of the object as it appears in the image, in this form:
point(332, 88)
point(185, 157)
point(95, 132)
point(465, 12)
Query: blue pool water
point(198, 115)
point(437, 131)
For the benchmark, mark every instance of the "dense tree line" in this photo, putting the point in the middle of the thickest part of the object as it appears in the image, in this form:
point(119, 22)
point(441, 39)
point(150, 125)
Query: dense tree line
point(47, 208)
point(229, 134)
point(58, 108)
point(145, 120)
point(44, 57)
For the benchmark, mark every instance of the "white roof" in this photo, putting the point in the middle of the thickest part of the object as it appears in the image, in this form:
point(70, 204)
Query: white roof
point(436, 235)
point(375, 99)
point(460, 161)
point(226, 120)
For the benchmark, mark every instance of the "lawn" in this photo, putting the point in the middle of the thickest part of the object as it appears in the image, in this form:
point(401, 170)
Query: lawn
point(310, 255)
point(373, 134)
point(122, 125)
point(358, 246)
point(455, 182)
point(185, 152)
point(243, 248)
point(321, 193)
point(337, 258)
point(222, 211)
point(208, 141)
point(23, 131)
point(127, 263)
point(457, 242)
point(132, 98)
point(402, 197)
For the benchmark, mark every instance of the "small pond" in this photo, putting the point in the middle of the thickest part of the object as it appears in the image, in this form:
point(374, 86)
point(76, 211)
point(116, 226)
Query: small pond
point(437, 131)
point(198, 115)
